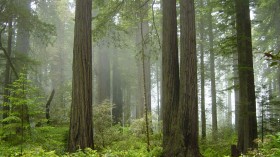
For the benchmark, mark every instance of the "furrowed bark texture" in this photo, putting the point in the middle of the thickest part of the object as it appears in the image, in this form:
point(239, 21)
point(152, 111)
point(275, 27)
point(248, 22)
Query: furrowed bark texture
point(188, 109)
point(81, 126)
point(170, 75)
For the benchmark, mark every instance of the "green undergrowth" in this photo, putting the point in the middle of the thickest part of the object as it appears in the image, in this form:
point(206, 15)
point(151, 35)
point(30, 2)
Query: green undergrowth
point(219, 147)
point(270, 147)
point(42, 140)
point(51, 141)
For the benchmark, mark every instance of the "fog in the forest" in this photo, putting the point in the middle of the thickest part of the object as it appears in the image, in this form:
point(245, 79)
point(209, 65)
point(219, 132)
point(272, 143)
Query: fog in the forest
point(128, 37)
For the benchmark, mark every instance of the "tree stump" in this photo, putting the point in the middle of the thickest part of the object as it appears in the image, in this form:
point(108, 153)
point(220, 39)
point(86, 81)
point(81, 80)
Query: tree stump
point(234, 151)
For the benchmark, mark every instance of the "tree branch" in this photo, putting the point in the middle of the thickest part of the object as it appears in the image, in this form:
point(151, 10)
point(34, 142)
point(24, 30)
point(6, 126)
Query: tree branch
point(154, 23)
point(6, 53)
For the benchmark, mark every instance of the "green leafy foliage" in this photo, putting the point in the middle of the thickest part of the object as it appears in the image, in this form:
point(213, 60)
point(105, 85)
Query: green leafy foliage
point(23, 102)
point(105, 133)
point(110, 140)
point(269, 147)
point(220, 148)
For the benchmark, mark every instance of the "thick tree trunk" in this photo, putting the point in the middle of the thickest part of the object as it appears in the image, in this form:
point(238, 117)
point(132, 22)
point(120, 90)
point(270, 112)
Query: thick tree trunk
point(247, 130)
point(81, 125)
point(188, 109)
point(170, 76)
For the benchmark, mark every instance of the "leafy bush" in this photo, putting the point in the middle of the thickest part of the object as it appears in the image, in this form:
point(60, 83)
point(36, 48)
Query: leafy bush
point(270, 147)
point(104, 132)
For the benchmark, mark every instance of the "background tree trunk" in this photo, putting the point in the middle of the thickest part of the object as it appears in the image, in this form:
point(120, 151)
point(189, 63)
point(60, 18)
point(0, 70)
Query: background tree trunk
point(23, 47)
point(103, 74)
point(212, 74)
point(117, 92)
point(202, 75)
point(7, 81)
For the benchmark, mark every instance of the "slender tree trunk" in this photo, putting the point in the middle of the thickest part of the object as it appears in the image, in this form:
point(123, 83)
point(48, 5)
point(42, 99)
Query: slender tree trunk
point(140, 96)
point(146, 83)
point(247, 131)
point(81, 125)
point(48, 104)
point(127, 105)
point(61, 62)
point(236, 88)
point(143, 30)
point(158, 92)
point(202, 75)
point(6, 107)
point(229, 113)
point(213, 78)
point(117, 92)
point(23, 47)
point(170, 76)
point(277, 25)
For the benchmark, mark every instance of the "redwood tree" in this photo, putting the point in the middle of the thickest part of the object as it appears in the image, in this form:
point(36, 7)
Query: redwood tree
point(188, 109)
point(180, 102)
point(81, 126)
point(247, 129)
point(170, 75)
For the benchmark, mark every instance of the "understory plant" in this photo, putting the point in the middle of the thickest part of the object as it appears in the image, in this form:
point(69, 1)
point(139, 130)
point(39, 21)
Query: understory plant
point(24, 110)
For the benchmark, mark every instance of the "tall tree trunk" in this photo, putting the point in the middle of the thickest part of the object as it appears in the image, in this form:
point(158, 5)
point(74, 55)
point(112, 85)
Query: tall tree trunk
point(140, 96)
point(236, 88)
point(276, 27)
point(23, 46)
point(202, 74)
point(127, 105)
point(61, 62)
point(117, 92)
point(81, 125)
point(6, 107)
point(170, 76)
point(158, 81)
point(212, 73)
point(103, 75)
point(247, 131)
point(147, 65)
point(188, 109)
point(229, 113)
point(146, 82)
